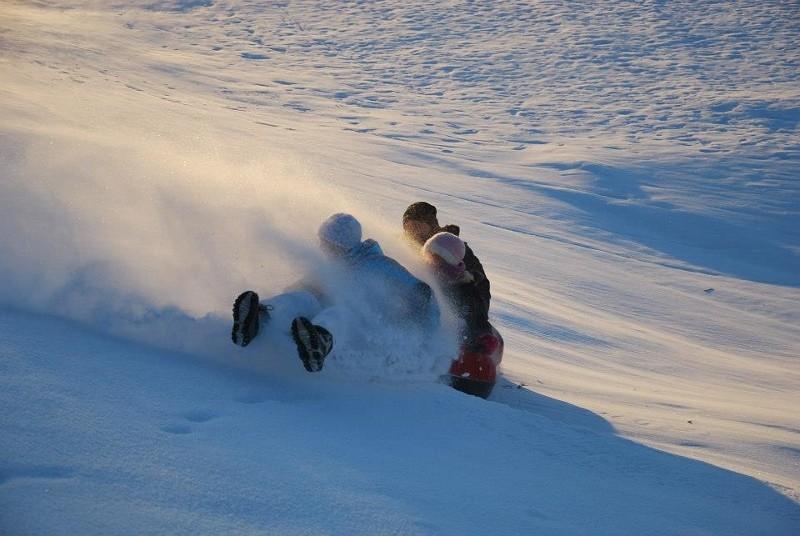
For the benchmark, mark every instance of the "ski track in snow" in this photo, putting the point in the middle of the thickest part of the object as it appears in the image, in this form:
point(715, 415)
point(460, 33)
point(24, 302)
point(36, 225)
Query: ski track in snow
point(626, 172)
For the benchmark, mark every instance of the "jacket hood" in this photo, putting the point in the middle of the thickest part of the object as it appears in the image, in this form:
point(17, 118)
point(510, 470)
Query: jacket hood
point(367, 248)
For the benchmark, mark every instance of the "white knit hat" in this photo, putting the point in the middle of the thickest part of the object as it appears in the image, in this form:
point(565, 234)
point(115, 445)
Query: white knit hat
point(447, 246)
point(341, 230)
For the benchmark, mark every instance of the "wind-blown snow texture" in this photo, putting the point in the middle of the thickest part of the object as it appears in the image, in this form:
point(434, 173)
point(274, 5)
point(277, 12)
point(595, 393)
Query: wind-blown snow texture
point(626, 172)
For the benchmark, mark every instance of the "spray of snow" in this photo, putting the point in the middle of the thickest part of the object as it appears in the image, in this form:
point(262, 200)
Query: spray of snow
point(152, 238)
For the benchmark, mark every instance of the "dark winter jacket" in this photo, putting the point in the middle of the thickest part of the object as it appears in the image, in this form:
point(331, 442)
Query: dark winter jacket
point(474, 266)
point(465, 298)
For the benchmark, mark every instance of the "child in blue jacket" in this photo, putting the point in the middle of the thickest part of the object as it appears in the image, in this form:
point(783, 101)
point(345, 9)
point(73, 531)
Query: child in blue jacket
point(363, 289)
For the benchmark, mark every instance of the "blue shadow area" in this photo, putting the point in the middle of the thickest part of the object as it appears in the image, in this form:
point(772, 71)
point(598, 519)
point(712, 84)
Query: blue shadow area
point(749, 244)
point(705, 241)
point(109, 423)
point(521, 397)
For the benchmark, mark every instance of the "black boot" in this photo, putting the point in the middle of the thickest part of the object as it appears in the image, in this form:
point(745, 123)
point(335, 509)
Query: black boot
point(246, 321)
point(313, 343)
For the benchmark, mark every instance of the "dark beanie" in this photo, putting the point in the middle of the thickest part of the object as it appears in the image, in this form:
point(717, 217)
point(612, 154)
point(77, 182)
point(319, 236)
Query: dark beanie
point(420, 211)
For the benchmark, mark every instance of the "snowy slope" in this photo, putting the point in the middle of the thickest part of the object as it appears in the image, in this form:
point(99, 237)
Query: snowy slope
point(627, 174)
point(108, 437)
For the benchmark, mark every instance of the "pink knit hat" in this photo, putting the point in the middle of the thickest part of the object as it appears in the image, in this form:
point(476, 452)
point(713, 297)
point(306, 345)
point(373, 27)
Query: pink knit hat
point(447, 251)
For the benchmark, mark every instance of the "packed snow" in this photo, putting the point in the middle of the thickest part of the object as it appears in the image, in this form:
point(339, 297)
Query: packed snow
point(626, 172)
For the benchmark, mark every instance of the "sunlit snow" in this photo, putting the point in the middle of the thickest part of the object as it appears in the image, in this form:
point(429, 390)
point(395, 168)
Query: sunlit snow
point(627, 173)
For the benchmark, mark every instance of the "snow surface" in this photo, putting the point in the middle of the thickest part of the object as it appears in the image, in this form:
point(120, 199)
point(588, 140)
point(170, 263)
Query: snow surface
point(627, 173)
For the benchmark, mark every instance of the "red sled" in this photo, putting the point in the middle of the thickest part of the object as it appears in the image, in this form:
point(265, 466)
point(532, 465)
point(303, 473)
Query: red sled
point(475, 370)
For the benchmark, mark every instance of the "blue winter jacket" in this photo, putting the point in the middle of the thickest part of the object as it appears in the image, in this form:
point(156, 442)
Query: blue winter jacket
point(399, 297)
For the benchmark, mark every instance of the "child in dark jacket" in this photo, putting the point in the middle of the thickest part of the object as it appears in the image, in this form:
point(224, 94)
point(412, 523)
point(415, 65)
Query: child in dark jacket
point(475, 370)
point(420, 223)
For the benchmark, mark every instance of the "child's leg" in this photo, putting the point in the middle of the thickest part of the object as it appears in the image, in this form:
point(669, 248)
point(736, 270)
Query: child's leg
point(274, 336)
point(284, 308)
point(335, 320)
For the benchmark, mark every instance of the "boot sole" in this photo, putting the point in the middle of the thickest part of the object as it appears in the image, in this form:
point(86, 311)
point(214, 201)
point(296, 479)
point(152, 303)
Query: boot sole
point(245, 318)
point(306, 338)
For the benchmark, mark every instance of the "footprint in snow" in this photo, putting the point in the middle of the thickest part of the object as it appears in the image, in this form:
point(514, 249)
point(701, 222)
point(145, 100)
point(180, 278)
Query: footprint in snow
point(177, 429)
point(195, 416)
point(254, 56)
point(252, 398)
point(47, 472)
point(198, 415)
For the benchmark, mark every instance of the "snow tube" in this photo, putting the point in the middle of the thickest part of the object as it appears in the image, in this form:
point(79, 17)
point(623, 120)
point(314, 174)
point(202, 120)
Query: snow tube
point(475, 370)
